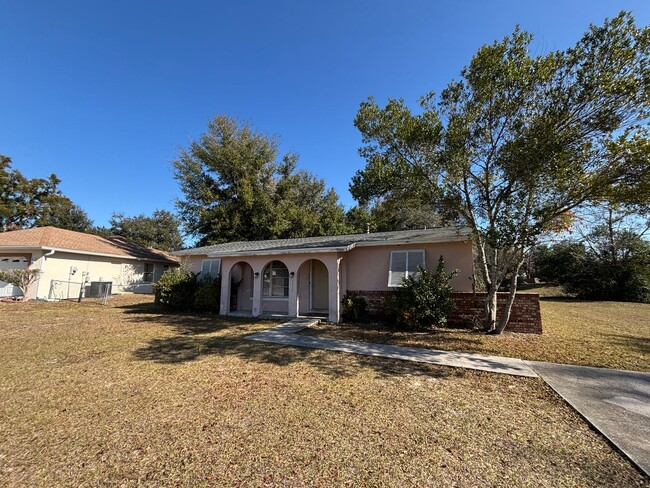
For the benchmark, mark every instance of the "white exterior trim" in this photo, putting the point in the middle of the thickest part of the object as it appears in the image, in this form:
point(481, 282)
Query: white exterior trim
point(78, 251)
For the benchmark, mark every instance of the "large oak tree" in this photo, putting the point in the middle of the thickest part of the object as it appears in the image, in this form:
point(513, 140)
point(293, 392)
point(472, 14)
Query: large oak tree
point(36, 202)
point(237, 187)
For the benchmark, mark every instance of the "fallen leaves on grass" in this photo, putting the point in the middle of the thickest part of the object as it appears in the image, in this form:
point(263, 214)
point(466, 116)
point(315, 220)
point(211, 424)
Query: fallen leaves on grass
point(125, 395)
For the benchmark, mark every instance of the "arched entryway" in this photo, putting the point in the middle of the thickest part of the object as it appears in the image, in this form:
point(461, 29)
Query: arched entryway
point(240, 297)
point(275, 289)
point(313, 288)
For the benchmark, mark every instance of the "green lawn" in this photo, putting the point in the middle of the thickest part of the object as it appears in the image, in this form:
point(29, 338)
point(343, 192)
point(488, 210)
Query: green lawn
point(124, 395)
point(607, 334)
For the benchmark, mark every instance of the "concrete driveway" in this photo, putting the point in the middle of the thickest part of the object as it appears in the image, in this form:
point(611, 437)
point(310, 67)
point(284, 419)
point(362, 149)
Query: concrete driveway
point(615, 402)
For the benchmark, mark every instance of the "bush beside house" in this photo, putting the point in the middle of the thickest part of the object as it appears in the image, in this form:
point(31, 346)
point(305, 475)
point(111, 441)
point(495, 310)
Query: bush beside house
point(424, 299)
point(179, 290)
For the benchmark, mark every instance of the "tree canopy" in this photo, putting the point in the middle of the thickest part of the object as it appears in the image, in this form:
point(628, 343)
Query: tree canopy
point(519, 142)
point(160, 231)
point(237, 187)
point(26, 202)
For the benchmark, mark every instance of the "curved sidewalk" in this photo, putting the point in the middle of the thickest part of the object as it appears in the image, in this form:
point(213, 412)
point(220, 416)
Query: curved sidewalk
point(614, 402)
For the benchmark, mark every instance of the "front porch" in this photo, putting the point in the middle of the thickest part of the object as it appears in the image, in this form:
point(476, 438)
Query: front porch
point(282, 286)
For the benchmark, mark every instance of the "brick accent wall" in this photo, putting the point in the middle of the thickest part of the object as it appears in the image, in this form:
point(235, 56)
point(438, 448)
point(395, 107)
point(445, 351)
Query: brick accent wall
point(525, 315)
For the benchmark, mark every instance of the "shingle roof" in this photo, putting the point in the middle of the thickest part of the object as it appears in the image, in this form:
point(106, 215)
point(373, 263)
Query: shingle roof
point(53, 237)
point(439, 234)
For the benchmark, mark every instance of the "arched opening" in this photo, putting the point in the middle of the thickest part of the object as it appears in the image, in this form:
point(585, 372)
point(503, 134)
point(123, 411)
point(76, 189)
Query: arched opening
point(313, 288)
point(241, 289)
point(275, 289)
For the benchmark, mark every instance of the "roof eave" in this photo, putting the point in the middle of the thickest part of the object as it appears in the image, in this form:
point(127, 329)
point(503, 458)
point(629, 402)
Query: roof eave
point(276, 252)
point(89, 253)
point(427, 240)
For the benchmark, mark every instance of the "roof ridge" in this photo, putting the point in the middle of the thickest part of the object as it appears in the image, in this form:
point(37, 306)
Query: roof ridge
point(45, 235)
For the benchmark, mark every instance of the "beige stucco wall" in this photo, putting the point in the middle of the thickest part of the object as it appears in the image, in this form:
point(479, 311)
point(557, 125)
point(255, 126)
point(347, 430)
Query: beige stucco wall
point(367, 267)
point(126, 274)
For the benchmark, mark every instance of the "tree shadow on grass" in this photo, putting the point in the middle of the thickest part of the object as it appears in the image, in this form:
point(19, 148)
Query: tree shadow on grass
point(446, 339)
point(197, 336)
point(568, 299)
point(632, 343)
point(187, 323)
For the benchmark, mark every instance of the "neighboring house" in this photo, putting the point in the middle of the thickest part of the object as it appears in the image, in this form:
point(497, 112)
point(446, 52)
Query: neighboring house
point(309, 276)
point(67, 258)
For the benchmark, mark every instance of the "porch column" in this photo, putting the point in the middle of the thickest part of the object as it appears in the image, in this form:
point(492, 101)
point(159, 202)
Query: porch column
point(224, 302)
point(334, 278)
point(257, 292)
point(292, 310)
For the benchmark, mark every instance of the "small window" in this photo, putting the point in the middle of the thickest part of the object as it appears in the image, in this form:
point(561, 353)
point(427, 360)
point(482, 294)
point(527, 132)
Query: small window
point(147, 276)
point(210, 267)
point(276, 280)
point(403, 264)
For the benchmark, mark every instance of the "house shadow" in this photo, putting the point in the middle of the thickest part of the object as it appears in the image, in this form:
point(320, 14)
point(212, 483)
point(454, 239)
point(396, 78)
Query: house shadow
point(197, 336)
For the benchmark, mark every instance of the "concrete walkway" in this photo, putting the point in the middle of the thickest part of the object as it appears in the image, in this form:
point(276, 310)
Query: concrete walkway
point(614, 402)
point(285, 334)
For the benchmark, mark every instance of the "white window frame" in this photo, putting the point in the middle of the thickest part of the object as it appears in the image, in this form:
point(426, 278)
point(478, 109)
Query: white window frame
point(145, 272)
point(271, 279)
point(211, 271)
point(406, 265)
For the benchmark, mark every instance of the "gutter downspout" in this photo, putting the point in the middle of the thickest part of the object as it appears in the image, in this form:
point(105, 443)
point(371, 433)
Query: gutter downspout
point(42, 269)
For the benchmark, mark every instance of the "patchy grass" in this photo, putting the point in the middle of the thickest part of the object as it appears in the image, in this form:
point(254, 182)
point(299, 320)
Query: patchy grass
point(124, 395)
point(588, 333)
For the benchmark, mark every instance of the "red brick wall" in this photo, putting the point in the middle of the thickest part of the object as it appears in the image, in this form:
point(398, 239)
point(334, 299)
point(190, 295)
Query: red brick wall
point(525, 315)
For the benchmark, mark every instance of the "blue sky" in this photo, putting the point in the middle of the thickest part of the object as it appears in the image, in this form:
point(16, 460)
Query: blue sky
point(104, 93)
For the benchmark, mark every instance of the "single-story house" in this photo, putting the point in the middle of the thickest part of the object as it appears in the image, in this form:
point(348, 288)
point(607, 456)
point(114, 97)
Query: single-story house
point(309, 276)
point(67, 258)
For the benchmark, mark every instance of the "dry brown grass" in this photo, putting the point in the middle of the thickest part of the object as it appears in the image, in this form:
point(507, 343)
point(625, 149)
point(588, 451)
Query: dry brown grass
point(124, 395)
point(605, 334)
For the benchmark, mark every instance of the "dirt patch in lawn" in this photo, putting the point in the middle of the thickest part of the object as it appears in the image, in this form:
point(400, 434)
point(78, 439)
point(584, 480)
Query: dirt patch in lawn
point(124, 395)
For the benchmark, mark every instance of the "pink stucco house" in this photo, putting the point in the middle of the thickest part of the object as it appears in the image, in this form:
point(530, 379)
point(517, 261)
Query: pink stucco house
point(309, 276)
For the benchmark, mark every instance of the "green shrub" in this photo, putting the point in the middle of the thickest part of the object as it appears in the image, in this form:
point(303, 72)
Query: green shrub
point(423, 300)
point(175, 289)
point(610, 266)
point(208, 294)
point(354, 307)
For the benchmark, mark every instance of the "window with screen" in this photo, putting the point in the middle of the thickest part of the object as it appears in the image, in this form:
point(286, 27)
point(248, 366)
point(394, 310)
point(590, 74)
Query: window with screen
point(275, 280)
point(147, 276)
point(403, 264)
point(210, 267)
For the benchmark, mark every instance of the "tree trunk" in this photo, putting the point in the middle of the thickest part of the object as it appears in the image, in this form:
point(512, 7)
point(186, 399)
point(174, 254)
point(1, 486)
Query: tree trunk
point(505, 318)
point(491, 308)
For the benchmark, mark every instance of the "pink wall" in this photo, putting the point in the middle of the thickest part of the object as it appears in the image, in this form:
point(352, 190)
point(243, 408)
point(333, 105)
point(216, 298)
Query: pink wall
point(363, 268)
point(367, 267)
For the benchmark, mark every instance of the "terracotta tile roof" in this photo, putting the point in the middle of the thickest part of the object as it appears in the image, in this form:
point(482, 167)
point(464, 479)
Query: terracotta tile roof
point(437, 234)
point(53, 237)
